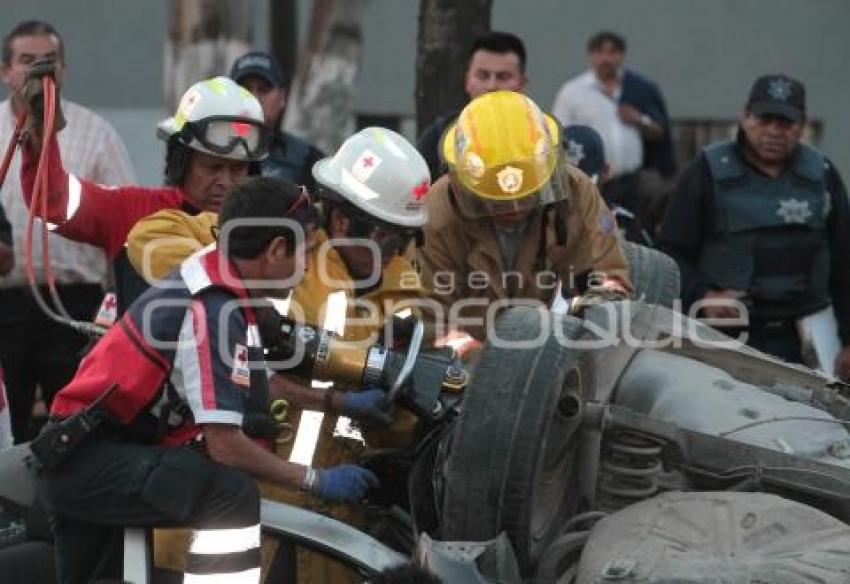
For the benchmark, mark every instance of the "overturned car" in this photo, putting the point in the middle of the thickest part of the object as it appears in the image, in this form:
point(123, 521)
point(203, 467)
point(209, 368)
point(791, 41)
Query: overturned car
point(637, 445)
point(632, 445)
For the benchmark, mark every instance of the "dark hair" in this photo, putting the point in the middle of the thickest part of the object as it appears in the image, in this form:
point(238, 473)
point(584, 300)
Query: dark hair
point(405, 574)
point(263, 198)
point(177, 157)
point(499, 42)
point(600, 39)
point(30, 28)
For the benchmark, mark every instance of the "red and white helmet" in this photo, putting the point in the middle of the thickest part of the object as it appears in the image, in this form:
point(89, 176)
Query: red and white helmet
point(219, 117)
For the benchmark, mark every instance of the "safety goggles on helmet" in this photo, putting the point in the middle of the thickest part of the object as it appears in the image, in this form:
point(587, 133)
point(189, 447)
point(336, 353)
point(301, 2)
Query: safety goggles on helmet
point(224, 134)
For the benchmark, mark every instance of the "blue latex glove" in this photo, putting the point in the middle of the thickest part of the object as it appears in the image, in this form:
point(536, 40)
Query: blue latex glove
point(369, 407)
point(344, 483)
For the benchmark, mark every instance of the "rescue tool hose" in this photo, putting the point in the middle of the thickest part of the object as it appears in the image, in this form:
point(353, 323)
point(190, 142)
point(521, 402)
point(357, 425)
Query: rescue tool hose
point(39, 201)
point(10, 149)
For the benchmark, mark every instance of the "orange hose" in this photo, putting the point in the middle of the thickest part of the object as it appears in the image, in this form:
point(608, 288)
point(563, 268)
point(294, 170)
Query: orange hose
point(39, 200)
point(49, 123)
point(10, 149)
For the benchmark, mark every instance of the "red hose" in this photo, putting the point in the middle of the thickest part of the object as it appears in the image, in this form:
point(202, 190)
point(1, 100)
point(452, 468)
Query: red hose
point(10, 149)
point(39, 200)
point(49, 123)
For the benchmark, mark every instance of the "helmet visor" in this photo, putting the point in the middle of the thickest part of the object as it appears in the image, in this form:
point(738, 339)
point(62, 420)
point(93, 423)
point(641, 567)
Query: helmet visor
point(474, 206)
point(224, 135)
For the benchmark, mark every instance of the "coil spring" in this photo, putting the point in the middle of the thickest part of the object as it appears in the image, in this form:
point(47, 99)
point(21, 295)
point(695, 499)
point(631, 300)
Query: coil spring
point(629, 470)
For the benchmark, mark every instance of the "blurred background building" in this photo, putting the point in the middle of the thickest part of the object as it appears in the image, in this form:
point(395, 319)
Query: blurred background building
point(704, 54)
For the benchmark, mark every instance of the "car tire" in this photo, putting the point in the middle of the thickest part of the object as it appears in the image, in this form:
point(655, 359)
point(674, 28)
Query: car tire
point(515, 446)
point(654, 275)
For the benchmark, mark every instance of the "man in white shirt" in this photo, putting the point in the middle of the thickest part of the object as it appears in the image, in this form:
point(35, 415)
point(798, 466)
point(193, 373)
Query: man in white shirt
point(35, 350)
point(626, 109)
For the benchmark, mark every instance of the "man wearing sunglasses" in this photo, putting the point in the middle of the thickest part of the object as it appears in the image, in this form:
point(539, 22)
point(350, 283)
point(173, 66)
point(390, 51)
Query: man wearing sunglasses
point(215, 134)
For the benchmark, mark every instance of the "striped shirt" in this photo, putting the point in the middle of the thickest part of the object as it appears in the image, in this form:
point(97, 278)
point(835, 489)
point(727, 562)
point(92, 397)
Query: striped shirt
point(90, 149)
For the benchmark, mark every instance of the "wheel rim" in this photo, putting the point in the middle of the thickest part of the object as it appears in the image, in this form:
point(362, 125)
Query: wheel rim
point(555, 476)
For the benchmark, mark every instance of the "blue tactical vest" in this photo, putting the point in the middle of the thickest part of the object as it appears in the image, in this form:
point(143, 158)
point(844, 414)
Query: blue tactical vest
point(769, 235)
point(286, 158)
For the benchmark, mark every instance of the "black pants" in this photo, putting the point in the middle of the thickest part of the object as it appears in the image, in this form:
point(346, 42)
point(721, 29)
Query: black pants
point(779, 340)
point(36, 351)
point(108, 486)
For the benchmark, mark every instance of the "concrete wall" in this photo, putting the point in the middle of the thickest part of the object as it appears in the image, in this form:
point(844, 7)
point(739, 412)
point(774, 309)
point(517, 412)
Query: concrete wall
point(703, 53)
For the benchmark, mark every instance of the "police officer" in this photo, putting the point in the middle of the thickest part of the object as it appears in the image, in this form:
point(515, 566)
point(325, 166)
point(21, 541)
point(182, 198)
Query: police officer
point(184, 366)
point(763, 221)
point(512, 219)
point(290, 157)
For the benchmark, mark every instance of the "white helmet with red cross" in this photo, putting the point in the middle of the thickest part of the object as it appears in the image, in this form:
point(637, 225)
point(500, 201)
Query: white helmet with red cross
point(381, 173)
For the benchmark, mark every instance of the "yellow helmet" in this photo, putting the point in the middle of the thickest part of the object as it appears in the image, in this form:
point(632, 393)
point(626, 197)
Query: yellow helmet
point(502, 147)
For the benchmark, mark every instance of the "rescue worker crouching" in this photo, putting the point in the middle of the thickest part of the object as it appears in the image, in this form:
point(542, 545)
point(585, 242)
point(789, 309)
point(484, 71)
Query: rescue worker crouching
point(512, 222)
point(213, 137)
point(184, 364)
point(371, 194)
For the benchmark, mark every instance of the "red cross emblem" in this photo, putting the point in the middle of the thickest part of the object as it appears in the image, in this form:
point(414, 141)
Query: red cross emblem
point(240, 128)
point(109, 302)
point(368, 162)
point(420, 190)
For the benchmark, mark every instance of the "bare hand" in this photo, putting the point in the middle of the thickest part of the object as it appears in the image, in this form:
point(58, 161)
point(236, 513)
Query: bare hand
point(842, 364)
point(32, 95)
point(725, 304)
point(461, 342)
point(630, 114)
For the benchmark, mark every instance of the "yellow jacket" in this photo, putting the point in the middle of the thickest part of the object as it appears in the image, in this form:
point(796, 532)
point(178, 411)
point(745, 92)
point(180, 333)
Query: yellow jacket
point(158, 243)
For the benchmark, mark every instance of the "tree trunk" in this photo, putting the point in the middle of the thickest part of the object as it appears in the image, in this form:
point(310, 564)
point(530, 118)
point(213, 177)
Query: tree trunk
point(447, 29)
point(283, 35)
point(205, 37)
point(321, 99)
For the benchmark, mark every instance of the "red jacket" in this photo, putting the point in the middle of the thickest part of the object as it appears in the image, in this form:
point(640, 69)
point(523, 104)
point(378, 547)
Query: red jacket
point(192, 331)
point(88, 212)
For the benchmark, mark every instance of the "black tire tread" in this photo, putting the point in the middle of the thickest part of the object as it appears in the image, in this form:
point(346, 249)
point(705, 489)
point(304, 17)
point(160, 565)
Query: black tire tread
point(654, 275)
point(497, 442)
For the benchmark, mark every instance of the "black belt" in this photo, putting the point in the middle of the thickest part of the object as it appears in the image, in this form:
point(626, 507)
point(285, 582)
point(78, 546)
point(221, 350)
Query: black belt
point(773, 325)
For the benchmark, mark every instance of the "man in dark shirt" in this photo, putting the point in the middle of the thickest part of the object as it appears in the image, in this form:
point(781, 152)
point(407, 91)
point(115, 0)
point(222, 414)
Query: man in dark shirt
point(764, 220)
point(290, 157)
point(496, 61)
